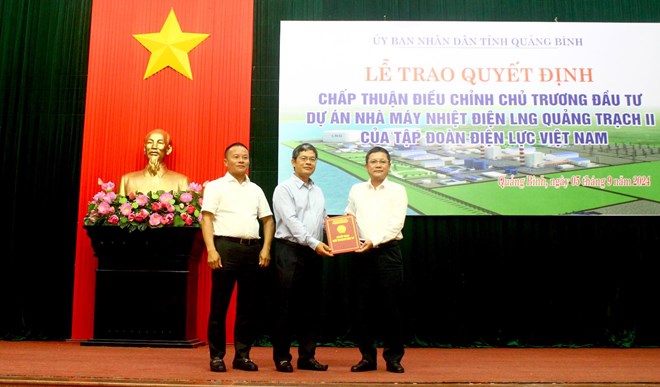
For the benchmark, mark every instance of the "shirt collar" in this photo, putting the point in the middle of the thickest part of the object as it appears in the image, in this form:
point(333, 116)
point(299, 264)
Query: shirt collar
point(300, 183)
point(382, 185)
point(231, 177)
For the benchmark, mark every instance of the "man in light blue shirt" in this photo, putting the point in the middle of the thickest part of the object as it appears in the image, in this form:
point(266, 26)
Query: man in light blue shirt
point(299, 209)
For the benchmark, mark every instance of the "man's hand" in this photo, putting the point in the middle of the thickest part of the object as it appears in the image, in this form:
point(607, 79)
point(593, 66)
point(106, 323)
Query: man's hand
point(264, 257)
point(324, 250)
point(365, 246)
point(214, 259)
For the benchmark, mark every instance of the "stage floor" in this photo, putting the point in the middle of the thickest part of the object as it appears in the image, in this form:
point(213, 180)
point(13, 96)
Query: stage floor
point(37, 363)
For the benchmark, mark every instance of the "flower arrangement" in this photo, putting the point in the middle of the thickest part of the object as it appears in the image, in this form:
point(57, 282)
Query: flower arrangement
point(139, 211)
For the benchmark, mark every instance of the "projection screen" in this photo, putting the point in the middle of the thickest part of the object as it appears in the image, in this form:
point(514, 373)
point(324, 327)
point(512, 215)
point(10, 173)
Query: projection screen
point(480, 118)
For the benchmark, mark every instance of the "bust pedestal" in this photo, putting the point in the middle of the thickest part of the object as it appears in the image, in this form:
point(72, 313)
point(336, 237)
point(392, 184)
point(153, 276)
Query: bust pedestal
point(146, 286)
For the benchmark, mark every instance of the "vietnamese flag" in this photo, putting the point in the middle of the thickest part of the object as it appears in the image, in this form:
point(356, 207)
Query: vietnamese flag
point(180, 65)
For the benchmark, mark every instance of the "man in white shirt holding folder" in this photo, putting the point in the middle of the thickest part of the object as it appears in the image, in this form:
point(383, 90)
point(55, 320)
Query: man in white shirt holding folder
point(379, 206)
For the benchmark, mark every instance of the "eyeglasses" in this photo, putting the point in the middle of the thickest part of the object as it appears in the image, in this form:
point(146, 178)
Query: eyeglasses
point(374, 162)
point(305, 159)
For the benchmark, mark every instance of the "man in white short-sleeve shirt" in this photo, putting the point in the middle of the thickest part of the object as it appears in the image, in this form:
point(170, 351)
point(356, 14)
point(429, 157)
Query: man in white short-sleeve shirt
point(232, 207)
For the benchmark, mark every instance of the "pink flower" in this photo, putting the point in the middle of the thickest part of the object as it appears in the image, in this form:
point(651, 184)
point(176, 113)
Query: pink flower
point(125, 209)
point(139, 217)
point(166, 197)
point(142, 200)
point(186, 197)
point(167, 219)
point(110, 197)
point(98, 196)
point(195, 187)
point(187, 219)
point(156, 206)
point(113, 219)
point(105, 208)
point(107, 187)
point(144, 213)
point(154, 219)
point(170, 208)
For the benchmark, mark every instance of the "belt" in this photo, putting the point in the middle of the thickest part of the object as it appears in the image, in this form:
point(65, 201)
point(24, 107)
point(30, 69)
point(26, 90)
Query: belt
point(242, 241)
point(387, 245)
point(287, 242)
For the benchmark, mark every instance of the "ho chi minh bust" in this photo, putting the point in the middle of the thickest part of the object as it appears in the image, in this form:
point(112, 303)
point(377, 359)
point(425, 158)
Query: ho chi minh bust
point(155, 176)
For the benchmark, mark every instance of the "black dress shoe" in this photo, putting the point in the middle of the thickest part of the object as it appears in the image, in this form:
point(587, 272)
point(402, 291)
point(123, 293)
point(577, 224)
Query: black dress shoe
point(284, 366)
point(363, 365)
point(395, 366)
point(311, 365)
point(218, 365)
point(244, 364)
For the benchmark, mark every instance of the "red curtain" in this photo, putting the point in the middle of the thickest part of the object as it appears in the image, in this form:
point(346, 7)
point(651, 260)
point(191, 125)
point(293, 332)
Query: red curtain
point(203, 114)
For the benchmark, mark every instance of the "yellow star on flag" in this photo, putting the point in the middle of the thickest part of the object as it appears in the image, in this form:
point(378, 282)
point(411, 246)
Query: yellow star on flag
point(170, 47)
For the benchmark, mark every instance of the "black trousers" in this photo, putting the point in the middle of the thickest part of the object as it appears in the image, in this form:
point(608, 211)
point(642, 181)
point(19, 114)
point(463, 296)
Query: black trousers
point(240, 266)
point(298, 277)
point(379, 276)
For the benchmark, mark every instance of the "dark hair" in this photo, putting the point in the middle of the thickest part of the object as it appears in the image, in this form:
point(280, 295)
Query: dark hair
point(377, 149)
point(305, 146)
point(233, 145)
